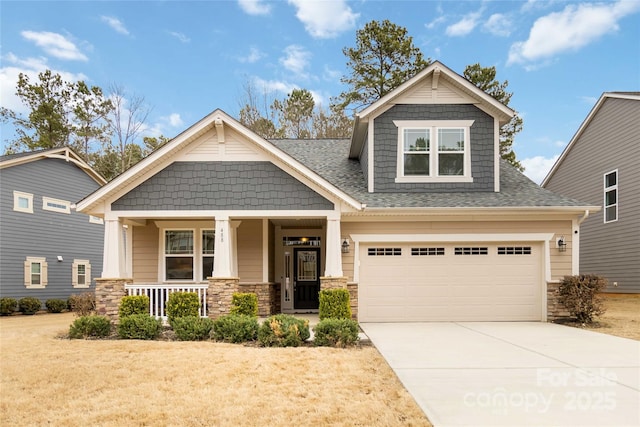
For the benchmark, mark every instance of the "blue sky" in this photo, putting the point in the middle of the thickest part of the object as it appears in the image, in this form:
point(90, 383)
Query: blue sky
point(189, 58)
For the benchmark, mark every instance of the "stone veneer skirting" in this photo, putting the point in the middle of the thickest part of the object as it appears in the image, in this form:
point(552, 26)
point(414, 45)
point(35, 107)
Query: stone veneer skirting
point(109, 293)
point(268, 296)
point(555, 310)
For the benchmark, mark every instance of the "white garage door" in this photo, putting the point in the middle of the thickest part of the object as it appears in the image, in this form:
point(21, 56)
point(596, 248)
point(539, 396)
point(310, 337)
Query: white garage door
point(407, 282)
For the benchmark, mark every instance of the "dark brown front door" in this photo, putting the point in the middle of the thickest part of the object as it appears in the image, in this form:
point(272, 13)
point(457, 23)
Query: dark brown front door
point(306, 278)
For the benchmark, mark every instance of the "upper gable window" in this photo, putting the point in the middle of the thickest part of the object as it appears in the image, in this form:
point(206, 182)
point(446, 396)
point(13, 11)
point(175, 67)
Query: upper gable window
point(22, 202)
point(434, 151)
point(611, 196)
point(56, 205)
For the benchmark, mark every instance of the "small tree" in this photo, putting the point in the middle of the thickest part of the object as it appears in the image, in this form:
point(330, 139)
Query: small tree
point(580, 295)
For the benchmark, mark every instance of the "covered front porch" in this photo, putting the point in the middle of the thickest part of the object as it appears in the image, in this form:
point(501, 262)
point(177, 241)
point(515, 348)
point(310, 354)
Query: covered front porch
point(284, 260)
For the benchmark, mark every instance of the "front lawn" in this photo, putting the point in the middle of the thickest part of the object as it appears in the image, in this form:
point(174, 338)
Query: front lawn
point(46, 380)
point(621, 318)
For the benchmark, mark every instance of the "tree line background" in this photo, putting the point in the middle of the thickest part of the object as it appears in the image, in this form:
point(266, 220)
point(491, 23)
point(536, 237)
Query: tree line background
point(106, 128)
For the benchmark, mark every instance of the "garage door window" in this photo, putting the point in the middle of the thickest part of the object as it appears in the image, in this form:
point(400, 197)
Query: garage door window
point(514, 250)
point(427, 251)
point(384, 252)
point(471, 251)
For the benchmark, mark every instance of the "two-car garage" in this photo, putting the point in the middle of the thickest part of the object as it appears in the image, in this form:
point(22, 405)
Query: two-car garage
point(450, 281)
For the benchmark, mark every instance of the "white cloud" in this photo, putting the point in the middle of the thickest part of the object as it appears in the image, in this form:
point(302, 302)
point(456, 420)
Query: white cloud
point(464, 26)
point(498, 25)
point(325, 19)
point(270, 86)
point(254, 56)
point(30, 67)
point(296, 59)
point(437, 21)
point(180, 36)
point(569, 30)
point(330, 74)
point(115, 24)
point(55, 45)
point(537, 168)
point(173, 120)
point(254, 7)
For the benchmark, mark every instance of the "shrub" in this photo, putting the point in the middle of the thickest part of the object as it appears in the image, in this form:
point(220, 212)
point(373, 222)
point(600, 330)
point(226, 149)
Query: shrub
point(182, 304)
point(29, 305)
point(139, 327)
point(82, 304)
point(90, 326)
point(235, 328)
point(244, 303)
point(336, 333)
point(135, 304)
point(283, 330)
point(56, 305)
point(192, 328)
point(8, 306)
point(579, 294)
point(334, 304)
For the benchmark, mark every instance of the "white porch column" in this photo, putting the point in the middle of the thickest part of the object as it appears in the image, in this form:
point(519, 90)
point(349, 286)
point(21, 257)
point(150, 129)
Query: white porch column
point(222, 266)
point(113, 262)
point(333, 250)
point(234, 247)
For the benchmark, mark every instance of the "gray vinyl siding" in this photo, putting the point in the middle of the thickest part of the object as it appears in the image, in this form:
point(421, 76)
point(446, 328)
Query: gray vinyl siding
point(386, 148)
point(222, 186)
point(610, 141)
point(44, 233)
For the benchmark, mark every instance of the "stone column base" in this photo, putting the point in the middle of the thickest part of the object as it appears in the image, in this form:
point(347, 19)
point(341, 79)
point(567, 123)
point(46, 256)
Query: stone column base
point(109, 293)
point(353, 299)
point(333, 283)
point(219, 294)
point(555, 310)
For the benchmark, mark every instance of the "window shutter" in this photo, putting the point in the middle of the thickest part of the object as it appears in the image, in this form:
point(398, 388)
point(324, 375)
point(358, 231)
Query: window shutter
point(27, 273)
point(87, 272)
point(74, 274)
point(44, 280)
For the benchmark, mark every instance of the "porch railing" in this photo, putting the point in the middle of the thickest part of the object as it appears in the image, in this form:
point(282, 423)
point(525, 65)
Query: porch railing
point(158, 294)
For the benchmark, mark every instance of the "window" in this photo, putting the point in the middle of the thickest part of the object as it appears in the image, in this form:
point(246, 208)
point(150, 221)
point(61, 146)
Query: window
point(187, 258)
point(22, 202)
point(56, 205)
point(434, 151)
point(514, 250)
point(81, 273)
point(611, 196)
point(427, 251)
point(471, 251)
point(95, 220)
point(384, 251)
point(35, 272)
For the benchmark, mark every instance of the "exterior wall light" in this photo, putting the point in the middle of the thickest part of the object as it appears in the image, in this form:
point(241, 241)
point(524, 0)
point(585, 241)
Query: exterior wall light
point(561, 244)
point(345, 246)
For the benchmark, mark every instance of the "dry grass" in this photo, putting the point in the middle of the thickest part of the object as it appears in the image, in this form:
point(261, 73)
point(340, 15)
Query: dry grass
point(47, 380)
point(622, 316)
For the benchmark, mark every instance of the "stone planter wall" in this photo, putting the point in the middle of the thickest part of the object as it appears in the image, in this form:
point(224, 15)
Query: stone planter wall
point(268, 296)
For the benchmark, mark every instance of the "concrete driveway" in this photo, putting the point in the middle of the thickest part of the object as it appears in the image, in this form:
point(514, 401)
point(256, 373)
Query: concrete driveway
point(513, 374)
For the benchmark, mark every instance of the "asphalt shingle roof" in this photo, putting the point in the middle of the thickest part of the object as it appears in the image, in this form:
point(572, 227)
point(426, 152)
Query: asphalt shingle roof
point(329, 158)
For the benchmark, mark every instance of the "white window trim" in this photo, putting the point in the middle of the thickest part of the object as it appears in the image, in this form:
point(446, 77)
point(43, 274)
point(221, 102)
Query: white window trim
point(95, 220)
point(197, 254)
point(43, 272)
point(433, 125)
point(65, 203)
point(17, 195)
point(604, 196)
point(87, 273)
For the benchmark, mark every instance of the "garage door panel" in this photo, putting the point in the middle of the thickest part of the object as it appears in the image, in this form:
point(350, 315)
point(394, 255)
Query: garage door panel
point(451, 287)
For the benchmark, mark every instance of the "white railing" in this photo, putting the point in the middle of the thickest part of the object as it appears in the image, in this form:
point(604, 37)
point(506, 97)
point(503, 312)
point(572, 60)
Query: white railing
point(158, 294)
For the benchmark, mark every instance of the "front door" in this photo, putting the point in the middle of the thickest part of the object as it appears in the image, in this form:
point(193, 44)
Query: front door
point(306, 278)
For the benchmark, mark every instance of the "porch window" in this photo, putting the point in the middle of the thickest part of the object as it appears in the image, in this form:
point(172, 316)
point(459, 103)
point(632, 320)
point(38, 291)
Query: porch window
point(208, 251)
point(179, 254)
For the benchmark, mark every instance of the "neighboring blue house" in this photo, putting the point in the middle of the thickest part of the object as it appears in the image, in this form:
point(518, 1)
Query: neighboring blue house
point(47, 249)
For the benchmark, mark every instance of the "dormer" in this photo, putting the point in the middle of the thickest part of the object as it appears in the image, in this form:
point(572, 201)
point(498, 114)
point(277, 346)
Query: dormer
point(437, 132)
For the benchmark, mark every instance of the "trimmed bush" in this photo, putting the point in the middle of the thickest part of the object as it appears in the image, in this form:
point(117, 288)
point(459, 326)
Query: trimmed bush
point(8, 306)
point(235, 328)
point(29, 305)
point(134, 304)
point(336, 333)
point(56, 305)
point(244, 303)
point(90, 327)
point(283, 330)
point(182, 304)
point(139, 327)
point(579, 294)
point(192, 328)
point(82, 304)
point(334, 304)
